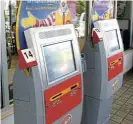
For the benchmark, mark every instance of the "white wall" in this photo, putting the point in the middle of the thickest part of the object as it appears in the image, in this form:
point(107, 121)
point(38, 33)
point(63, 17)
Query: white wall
point(128, 57)
point(129, 53)
point(131, 15)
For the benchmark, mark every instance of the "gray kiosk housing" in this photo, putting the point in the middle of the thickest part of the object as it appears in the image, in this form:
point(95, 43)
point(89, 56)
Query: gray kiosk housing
point(29, 99)
point(98, 90)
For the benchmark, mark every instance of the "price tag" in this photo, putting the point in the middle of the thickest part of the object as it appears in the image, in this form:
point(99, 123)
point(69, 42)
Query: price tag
point(28, 55)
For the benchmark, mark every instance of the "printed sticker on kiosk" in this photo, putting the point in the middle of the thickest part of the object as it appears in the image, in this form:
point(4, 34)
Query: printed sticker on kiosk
point(26, 59)
point(28, 55)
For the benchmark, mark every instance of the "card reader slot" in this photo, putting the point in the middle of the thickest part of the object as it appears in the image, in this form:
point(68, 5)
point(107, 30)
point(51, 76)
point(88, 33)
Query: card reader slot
point(112, 63)
point(58, 95)
point(73, 87)
point(63, 92)
point(120, 59)
point(117, 61)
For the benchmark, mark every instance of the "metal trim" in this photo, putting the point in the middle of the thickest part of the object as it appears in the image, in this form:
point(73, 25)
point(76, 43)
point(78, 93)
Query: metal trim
point(4, 59)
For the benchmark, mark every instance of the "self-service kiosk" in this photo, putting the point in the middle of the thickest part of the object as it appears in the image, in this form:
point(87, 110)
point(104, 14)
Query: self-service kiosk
point(104, 73)
point(52, 94)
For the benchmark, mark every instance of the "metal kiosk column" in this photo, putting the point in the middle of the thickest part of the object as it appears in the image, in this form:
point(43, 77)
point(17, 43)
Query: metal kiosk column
point(105, 72)
point(52, 94)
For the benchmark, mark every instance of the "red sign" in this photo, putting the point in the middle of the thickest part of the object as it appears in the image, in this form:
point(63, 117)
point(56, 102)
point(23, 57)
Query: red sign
point(67, 120)
point(60, 100)
point(115, 65)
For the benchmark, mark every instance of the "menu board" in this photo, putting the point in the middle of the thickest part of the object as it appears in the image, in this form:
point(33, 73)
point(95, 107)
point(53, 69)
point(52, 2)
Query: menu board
point(112, 41)
point(59, 60)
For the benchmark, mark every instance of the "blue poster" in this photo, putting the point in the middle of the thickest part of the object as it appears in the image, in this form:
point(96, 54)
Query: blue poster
point(39, 14)
point(100, 7)
point(102, 10)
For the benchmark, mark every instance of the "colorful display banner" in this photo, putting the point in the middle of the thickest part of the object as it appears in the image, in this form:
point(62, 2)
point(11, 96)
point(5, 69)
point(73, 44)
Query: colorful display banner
point(72, 7)
point(40, 14)
point(102, 10)
point(121, 6)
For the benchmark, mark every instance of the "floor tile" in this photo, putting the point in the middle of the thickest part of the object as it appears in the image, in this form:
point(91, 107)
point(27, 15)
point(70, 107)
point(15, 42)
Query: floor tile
point(130, 93)
point(119, 93)
point(131, 97)
point(126, 78)
point(115, 106)
point(131, 87)
point(130, 101)
point(113, 122)
point(126, 85)
point(123, 102)
point(114, 100)
point(129, 74)
point(115, 97)
point(129, 82)
point(122, 90)
point(125, 109)
point(121, 114)
point(131, 112)
point(123, 99)
point(119, 102)
point(129, 117)
point(113, 111)
point(131, 79)
point(130, 90)
point(128, 105)
point(111, 115)
point(126, 96)
point(126, 122)
point(117, 119)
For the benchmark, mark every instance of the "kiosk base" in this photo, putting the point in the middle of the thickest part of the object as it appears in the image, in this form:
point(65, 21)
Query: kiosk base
point(96, 111)
point(28, 101)
point(23, 116)
point(27, 107)
point(107, 121)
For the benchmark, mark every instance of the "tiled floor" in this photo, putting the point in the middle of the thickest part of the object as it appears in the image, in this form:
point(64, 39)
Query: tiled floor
point(122, 108)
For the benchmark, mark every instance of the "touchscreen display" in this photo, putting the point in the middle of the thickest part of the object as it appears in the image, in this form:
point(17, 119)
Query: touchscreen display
point(112, 41)
point(59, 60)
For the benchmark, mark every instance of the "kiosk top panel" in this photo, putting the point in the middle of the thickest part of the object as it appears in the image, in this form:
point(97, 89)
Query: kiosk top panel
point(106, 25)
point(111, 36)
point(56, 51)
